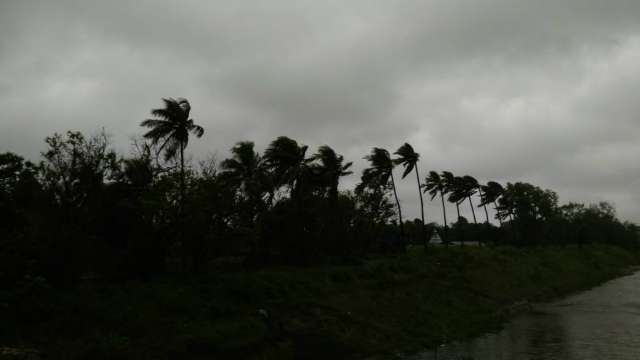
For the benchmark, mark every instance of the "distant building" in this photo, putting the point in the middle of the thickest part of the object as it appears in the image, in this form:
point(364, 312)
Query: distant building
point(435, 239)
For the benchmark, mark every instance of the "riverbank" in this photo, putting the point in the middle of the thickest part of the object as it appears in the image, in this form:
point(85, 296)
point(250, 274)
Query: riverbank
point(375, 307)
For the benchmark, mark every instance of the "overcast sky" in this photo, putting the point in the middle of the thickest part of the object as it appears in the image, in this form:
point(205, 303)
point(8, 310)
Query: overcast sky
point(544, 91)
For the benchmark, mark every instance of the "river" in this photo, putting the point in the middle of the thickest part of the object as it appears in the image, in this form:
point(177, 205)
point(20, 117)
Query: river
point(601, 323)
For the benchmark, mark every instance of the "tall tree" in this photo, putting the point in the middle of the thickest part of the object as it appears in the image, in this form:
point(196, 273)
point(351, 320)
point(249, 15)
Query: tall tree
point(171, 128)
point(408, 158)
point(246, 169)
point(490, 194)
point(452, 187)
point(330, 169)
point(482, 204)
point(435, 185)
point(469, 186)
point(287, 159)
point(380, 172)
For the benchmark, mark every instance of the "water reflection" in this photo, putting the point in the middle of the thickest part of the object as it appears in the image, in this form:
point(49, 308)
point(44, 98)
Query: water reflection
point(602, 323)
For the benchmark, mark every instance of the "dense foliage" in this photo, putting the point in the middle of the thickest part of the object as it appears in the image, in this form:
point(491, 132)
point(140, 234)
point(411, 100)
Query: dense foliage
point(85, 211)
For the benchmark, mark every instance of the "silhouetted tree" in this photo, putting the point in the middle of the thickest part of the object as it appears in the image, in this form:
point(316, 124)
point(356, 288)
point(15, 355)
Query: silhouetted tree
point(454, 187)
point(435, 185)
point(379, 173)
point(330, 169)
point(408, 158)
point(289, 164)
point(247, 170)
point(469, 186)
point(170, 128)
point(490, 193)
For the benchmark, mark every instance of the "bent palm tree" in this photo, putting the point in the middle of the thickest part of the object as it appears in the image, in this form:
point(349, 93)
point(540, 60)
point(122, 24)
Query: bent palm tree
point(380, 171)
point(409, 159)
point(489, 194)
point(247, 170)
point(288, 162)
point(331, 169)
point(451, 185)
point(171, 127)
point(434, 185)
point(482, 204)
point(469, 188)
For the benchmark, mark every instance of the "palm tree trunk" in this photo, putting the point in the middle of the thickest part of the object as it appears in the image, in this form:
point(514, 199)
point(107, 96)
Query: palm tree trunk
point(495, 207)
point(486, 213)
point(424, 235)
point(473, 212)
point(181, 210)
point(444, 214)
point(182, 189)
point(460, 232)
point(395, 194)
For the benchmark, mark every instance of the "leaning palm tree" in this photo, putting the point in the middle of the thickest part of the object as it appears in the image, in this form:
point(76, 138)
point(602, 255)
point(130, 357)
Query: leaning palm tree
point(409, 159)
point(489, 194)
point(287, 159)
point(507, 203)
point(469, 188)
point(452, 187)
point(331, 169)
point(380, 172)
point(170, 128)
point(246, 169)
point(435, 185)
point(482, 203)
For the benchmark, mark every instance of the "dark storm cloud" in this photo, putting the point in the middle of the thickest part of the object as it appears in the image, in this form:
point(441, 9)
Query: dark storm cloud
point(540, 91)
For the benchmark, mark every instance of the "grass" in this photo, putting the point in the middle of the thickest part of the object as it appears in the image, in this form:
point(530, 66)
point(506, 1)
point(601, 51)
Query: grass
point(377, 307)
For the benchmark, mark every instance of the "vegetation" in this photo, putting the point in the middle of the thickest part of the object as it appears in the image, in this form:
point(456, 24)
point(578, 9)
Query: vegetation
point(376, 307)
point(86, 221)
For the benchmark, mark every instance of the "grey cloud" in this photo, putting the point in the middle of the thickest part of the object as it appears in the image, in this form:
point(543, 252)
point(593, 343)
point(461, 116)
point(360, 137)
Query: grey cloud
point(538, 91)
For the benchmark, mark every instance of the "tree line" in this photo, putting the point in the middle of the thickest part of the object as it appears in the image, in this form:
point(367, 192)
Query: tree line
point(86, 211)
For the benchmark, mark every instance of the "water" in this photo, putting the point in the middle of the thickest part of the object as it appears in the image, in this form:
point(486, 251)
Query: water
point(602, 323)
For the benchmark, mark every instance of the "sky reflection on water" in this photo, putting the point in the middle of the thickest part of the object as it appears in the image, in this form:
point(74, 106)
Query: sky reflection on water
point(602, 323)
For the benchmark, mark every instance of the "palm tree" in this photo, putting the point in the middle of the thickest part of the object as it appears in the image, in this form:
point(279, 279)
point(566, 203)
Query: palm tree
point(171, 127)
point(409, 159)
point(331, 169)
point(379, 173)
point(482, 204)
point(469, 188)
point(451, 185)
point(246, 169)
point(288, 162)
point(506, 203)
point(489, 194)
point(434, 184)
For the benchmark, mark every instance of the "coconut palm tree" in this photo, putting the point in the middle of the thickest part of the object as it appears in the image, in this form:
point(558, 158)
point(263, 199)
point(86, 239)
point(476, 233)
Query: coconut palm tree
point(170, 128)
point(435, 185)
point(489, 195)
point(408, 158)
point(246, 168)
point(507, 202)
point(330, 169)
point(379, 173)
point(482, 204)
point(452, 187)
point(289, 164)
point(469, 187)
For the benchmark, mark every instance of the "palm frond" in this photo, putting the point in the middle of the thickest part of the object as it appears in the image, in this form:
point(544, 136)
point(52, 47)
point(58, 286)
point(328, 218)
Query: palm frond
point(158, 133)
point(197, 130)
point(155, 123)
